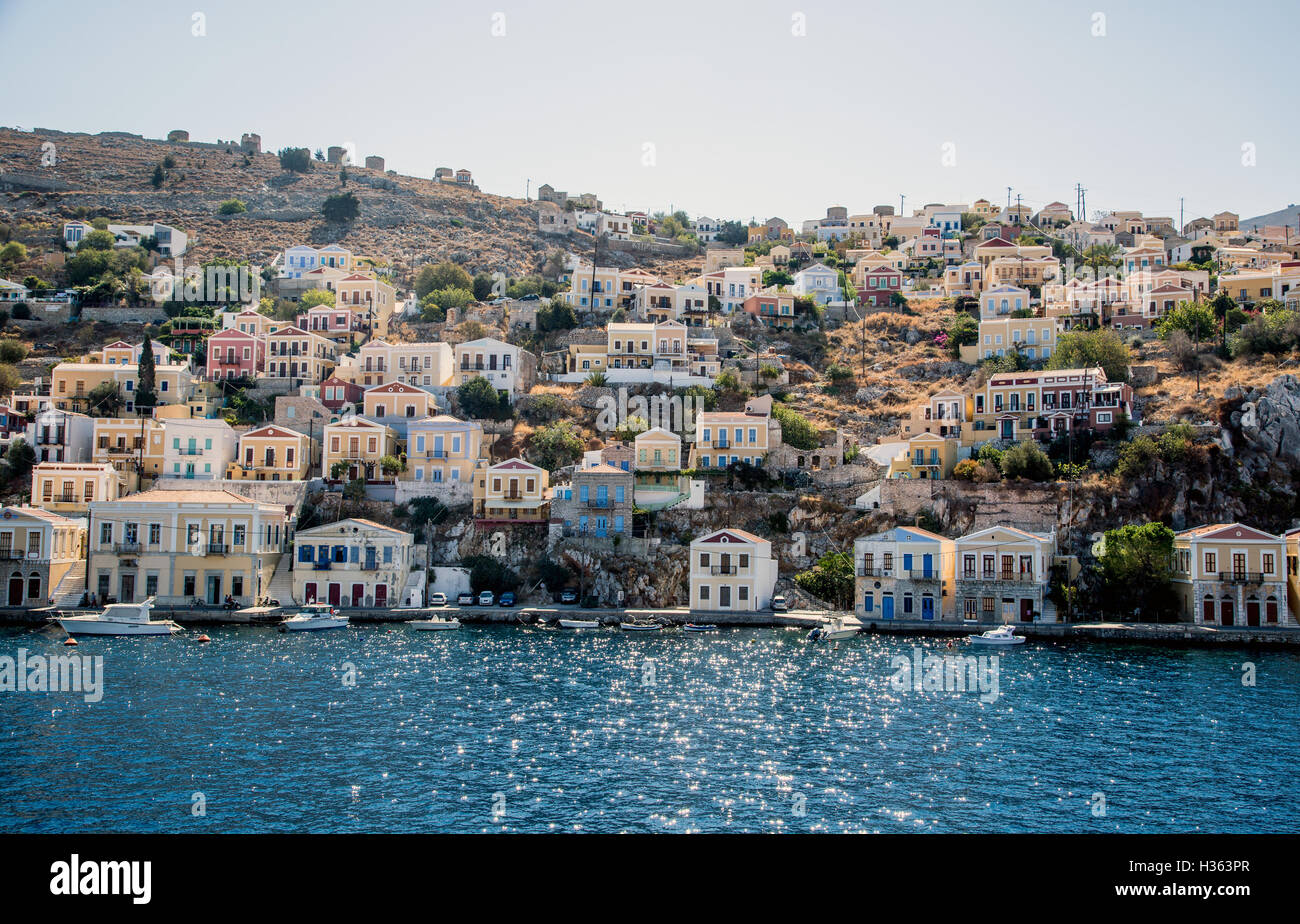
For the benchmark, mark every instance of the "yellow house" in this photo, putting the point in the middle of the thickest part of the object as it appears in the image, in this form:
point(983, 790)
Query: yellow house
point(904, 573)
point(297, 354)
point(38, 551)
point(513, 491)
point(1230, 574)
point(132, 446)
point(178, 546)
point(68, 488)
point(272, 453)
point(587, 357)
point(1293, 575)
point(72, 383)
point(442, 449)
point(398, 400)
point(658, 450)
point(731, 570)
point(1003, 574)
point(925, 456)
point(723, 437)
point(429, 363)
point(359, 443)
point(353, 562)
point(369, 298)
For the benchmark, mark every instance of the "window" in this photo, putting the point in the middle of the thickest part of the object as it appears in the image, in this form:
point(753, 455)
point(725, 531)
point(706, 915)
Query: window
point(1210, 563)
point(106, 533)
point(155, 533)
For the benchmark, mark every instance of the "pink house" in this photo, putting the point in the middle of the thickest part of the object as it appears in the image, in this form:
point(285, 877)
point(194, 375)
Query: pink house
point(328, 321)
point(234, 354)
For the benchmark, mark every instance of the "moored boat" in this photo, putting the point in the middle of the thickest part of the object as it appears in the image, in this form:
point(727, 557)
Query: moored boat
point(579, 624)
point(1002, 636)
point(313, 617)
point(640, 626)
point(834, 629)
point(700, 627)
point(434, 624)
point(119, 619)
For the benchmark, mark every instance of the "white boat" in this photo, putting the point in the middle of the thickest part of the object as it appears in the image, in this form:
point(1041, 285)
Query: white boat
point(579, 624)
point(1003, 636)
point(700, 627)
point(119, 619)
point(834, 629)
point(434, 623)
point(640, 626)
point(313, 617)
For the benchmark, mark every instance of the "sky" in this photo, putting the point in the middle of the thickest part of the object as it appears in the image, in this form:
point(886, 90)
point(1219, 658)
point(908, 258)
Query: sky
point(735, 109)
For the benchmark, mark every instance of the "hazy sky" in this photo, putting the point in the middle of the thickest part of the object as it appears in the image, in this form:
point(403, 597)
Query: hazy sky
point(746, 117)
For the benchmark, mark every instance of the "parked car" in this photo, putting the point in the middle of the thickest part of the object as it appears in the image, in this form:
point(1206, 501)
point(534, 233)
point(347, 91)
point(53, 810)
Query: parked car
point(780, 603)
point(568, 596)
point(437, 599)
point(507, 599)
point(465, 599)
point(486, 598)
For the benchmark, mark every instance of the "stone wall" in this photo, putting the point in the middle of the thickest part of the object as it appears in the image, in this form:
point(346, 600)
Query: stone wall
point(116, 314)
point(291, 494)
point(449, 493)
point(974, 506)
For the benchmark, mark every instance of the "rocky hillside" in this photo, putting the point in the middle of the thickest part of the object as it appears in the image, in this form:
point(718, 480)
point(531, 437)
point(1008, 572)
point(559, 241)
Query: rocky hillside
point(47, 177)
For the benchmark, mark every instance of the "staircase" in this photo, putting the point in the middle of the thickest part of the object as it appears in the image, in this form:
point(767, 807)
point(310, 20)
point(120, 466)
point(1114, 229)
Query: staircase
point(71, 586)
point(281, 586)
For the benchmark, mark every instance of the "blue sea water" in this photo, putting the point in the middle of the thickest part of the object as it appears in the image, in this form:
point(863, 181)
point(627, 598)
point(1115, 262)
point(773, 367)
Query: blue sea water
point(383, 729)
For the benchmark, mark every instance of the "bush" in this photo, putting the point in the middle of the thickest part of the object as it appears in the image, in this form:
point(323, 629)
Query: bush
point(296, 159)
point(555, 445)
point(479, 399)
point(1025, 460)
point(796, 430)
point(22, 312)
point(231, 207)
point(1082, 349)
point(341, 207)
point(445, 275)
point(12, 351)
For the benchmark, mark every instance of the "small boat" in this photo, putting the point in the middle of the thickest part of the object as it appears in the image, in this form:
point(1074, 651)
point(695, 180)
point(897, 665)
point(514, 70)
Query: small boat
point(833, 630)
point(640, 626)
point(699, 627)
point(579, 624)
point(119, 619)
point(1003, 636)
point(312, 617)
point(433, 624)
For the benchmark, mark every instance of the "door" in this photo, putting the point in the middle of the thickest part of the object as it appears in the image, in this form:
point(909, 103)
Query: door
point(724, 596)
point(16, 590)
point(309, 592)
point(214, 588)
point(334, 595)
point(1252, 612)
point(1026, 610)
point(1270, 611)
point(927, 565)
point(128, 589)
point(1008, 429)
point(358, 594)
point(927, 607)
point(1207, 611)
point(1225, 610)
point(381, 595)
point(887, 606)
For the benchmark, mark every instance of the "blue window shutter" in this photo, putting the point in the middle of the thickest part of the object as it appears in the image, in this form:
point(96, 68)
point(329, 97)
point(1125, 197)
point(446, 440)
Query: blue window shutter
point(618, 521)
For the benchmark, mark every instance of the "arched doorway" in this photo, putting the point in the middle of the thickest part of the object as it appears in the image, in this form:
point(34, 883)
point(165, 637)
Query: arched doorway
point(1252, 611)
point(1270, 611)
point(16, 590)
point(1225, 612)
point(34, 589)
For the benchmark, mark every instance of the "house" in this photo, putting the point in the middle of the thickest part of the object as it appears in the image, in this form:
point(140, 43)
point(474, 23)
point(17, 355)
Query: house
point(1231, 574)
point(904, 573)
point(597, 504)
point(179, 546)
point(724, 437)
point(38, 550)
point(132, 446)
point(731, 285)
point(943, 413)
point(731, 570)
point(397, 405)
point(198, 448)
point(775, 309)
point(168, 241)
point(1002, 574)
point(1048, 404)
point(513, 492)
point(72, 383)
point(336, 394)
point(507, 367)
point(818, 282)
point(878, 286)
point(1227, 222)
point(68, 488)
point(235, 354)
point(926, 456)
point(13, 291)
point(1054, 213)
point(272, 453)
point(442, 449)
point(61, 436)
point(300, 356)
point(657, 464)
point(354, 563)
point(357, 446)
point(371, 300)
point(188, 336)
point(334, 323)
point(427, 364)
point(250, 322)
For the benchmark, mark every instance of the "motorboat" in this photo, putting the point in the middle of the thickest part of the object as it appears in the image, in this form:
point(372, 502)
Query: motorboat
point(312, 617)
point(579, 624)
point(1003, 636)
point(640, 626)
point(700, 627)
point(119, 619)
point(834, 629)
point(434, 623)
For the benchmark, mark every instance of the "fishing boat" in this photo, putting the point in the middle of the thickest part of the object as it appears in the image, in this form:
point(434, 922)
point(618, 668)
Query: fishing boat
point(119, 619)
point(579, 624)
point(833, 630)
point(313, 617)
point(1002, 636)
point(699, 627)
point(640, 626)
point(434, 624)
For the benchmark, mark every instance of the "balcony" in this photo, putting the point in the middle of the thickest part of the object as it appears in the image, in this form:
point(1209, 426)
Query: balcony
point(599, 503)
point(1244, 577)
point(127, 548)
point(923, 575)
point(724, 569)
point(875, 572)
point(217, 548)
point(1006, 577)
point(320, 565)
point(64, 499)
point(188, 452)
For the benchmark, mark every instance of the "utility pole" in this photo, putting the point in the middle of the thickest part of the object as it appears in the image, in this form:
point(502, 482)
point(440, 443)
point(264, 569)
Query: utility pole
point(1180, 214)
point(901, 199)
point(1008, 198)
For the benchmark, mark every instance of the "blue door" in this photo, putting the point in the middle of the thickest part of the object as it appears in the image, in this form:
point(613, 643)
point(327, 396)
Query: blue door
point(927, 565)
point(927, 607)
point(907, 565)
point(887, 606)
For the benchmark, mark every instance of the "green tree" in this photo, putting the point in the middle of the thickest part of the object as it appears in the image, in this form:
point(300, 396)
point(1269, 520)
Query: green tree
point(1135, 573)
point(99, 239)
point(480, 400)
point(831, 579)
point(159, 176)
point(297, 160)
point(145, 395)
point(1082, 349)
point(1101, 256)
point(231, 207)
point(1025, 460)
point(104, 400)
point(341, 207)
point(555, 445)
point(313, 297)
point(796, 430)
point(482, 287)
point(445, 275)
point(1195, 319)
point(12, 254)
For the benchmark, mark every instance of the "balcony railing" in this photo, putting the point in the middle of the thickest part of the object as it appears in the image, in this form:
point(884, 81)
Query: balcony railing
point(321, 565)
point(599, 502)
point(189, 452)
point(1003, 576)
point(1242, 577)
point(874, 572)
point(217, 548)
point(923, 575)
point(63, 499)
point(723, 569)
point(127, 548)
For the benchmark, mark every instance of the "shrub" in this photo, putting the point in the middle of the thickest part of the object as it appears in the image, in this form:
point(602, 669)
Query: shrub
point(341, 207)
point(296, 159)
point(796, 430)
point(1025, 460)
point(22, 312)
point(1081, 349)
point(231, 207)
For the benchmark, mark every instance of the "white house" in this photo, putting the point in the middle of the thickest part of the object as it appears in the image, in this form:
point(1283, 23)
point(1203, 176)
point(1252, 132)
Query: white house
point(732, 570)
point(818, 282)
point(198, 448)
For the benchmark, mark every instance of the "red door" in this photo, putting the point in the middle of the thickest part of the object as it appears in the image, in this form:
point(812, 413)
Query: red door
point(358, 594)
point(1252, 612)
point(334, 595)
point(381, 595)
point(1207, 611)
point(1225, 609)
point(1026, 610)
point(1270, 611)
point(309, 592)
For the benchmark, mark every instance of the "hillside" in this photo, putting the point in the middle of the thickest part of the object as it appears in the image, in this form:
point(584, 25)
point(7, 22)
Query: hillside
point(403, 219)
